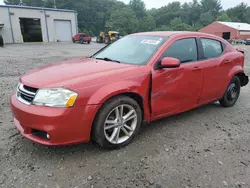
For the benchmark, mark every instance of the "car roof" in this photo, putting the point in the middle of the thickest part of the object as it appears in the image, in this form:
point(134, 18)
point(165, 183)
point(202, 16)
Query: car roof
point(175, 33)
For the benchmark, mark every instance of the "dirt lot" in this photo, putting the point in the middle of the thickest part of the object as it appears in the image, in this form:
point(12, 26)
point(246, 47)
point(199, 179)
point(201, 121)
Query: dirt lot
point(205, 147)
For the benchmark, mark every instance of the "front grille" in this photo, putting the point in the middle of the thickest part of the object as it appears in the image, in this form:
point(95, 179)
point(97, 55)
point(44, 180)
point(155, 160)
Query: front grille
point(31, 89)
point(26, 94)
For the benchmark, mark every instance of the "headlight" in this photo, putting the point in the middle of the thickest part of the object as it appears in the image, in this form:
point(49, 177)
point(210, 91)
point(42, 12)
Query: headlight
point(55, 97)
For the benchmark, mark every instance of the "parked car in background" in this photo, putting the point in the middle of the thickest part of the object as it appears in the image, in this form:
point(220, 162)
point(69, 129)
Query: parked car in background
point(81, 38)
point(106, 97)
point(247, 42)
point(243, 41)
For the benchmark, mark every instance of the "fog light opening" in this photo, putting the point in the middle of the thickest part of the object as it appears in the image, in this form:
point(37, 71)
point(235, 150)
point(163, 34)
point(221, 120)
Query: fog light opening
point(40, 134)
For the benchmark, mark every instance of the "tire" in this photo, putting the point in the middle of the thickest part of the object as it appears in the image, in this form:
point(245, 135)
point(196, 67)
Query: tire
point(105, 135)
point(232, 93)
point(99, 40)
point(107, 41)
point(1, 41)
point(88, 42)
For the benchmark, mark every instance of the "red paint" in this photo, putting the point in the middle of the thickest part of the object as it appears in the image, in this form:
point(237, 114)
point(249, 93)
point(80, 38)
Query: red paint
point(169, 62)
point(85, 38)
point(172, 90)
point(217, 29)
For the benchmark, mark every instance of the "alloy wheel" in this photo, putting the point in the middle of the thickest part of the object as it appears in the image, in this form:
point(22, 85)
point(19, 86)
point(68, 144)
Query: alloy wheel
point(120, 124)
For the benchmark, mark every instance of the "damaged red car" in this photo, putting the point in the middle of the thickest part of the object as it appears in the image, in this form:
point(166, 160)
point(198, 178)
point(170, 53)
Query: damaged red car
point(139, 78)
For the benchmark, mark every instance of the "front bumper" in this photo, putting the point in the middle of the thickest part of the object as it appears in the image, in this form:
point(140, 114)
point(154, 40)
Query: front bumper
point(63, 125)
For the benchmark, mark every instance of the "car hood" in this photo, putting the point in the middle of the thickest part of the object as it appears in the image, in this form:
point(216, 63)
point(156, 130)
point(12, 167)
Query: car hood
point(70, 72)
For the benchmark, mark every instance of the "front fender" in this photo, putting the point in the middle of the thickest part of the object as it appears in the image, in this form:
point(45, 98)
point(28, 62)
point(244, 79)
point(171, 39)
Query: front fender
point(140, 86)
point(110, 90)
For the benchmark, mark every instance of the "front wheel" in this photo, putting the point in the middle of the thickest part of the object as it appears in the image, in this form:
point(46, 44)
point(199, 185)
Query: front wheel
point(107, 40)
point(232, 93)
point(117, 122)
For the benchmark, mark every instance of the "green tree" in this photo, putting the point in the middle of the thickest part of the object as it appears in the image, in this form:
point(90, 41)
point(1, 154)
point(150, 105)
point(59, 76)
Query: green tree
point(193, 13)
point(177, 25)
point(139, 8)
point(124, 21)
point(167, 13)
point(164, 28)
point(206, 18)
point(12, 2)
point(147, 23)
point(239, 13)
point(213, 6)
point(35, 3)
point(224, 18)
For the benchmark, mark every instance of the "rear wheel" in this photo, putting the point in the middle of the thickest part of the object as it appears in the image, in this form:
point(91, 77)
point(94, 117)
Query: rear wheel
point(117, 122)
point(232, 93)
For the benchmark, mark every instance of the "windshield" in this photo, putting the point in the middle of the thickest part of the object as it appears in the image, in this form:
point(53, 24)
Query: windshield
point(132, 49)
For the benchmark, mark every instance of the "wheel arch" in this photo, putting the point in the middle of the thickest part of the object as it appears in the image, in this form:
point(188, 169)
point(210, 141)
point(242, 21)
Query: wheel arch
point(235, 71)
point(137, 97)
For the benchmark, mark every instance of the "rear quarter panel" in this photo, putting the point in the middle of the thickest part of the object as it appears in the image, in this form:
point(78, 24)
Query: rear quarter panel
point(231, 69)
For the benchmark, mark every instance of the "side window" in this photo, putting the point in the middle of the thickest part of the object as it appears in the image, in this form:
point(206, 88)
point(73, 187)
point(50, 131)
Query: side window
point(185, 50)
point(212, 48)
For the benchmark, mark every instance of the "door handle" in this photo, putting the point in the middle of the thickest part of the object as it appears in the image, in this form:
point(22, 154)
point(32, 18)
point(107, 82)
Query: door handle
point(196, 68)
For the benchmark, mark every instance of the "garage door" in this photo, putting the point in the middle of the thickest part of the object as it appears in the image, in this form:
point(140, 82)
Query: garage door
point(63, 30)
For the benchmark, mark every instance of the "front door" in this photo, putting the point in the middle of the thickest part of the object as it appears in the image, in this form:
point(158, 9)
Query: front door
point(177, 89)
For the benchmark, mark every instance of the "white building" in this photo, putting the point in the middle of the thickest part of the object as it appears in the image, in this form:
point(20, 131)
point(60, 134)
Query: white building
point(20, 24)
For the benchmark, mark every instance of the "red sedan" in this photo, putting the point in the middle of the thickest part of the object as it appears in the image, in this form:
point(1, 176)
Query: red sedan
point(139, 78)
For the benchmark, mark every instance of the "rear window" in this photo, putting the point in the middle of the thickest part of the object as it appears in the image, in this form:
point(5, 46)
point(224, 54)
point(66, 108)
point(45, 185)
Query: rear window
point(212, 48)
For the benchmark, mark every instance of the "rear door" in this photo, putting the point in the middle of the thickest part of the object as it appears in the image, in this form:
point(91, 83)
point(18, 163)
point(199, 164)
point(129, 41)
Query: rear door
point(215, 67)
point(177, 89)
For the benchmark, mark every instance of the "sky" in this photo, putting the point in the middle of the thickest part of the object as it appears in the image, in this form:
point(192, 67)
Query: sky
point(159, 3)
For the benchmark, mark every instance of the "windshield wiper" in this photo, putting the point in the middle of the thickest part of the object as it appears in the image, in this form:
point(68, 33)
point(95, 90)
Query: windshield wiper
point(108, 59)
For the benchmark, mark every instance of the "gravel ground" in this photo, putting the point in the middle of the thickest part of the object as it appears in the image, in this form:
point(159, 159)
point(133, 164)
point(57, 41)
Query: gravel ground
point(205, 147)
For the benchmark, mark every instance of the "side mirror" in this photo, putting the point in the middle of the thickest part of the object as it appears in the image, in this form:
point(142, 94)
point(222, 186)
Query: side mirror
point(169, 62)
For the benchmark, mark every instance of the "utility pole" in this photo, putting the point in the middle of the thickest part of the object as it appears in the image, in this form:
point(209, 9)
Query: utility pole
point(21, 2)
point(54, 3)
